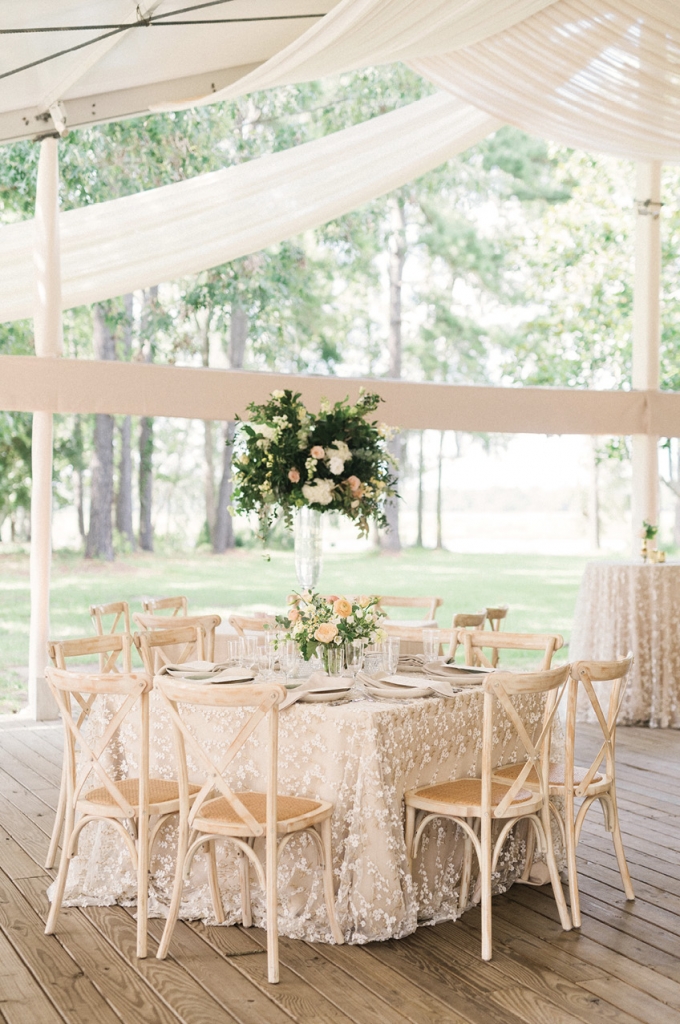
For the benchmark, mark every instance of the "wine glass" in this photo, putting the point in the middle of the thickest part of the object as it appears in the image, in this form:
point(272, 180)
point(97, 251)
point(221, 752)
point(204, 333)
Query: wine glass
point(289, 656)
point(392, 645)
point(431, 644)
point(354, 656)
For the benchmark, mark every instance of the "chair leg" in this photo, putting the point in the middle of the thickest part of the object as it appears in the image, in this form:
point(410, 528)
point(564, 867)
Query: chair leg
point(529, 861)
point(409, 831)
point(214, 881)
point(244, 878)
point(58, 821)
point(328, 887)
point(618, 847)
point(555, 880)
point(570, 836)
point(485, 870)
point(173, 910)
point(142, 883)
point(64, 864)
point(466, 872)
point(271, 860)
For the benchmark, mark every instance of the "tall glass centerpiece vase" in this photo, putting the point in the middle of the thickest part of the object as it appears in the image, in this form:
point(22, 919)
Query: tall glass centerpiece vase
point(308, 534)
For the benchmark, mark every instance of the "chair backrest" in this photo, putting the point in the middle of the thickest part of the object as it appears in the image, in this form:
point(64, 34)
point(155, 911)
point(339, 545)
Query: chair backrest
point(465, 620)
point(474, 641)
point(496, 615)
point(84, 689)
point(175, 605)
point(585, 673)
point(499, 689)
point(120, 610)
point(181, 699)
point(208, 623)
point(244, 624)
point(172, 645)
point(109, 648)
point(430, 603)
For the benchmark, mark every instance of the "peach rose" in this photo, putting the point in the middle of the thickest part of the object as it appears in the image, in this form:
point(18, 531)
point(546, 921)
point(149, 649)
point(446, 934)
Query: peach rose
point(293, 615)
point(342, 607)
point(317, 452)
point(332, 599)
point(326, 632)
point(294, 475)
point(355, 485)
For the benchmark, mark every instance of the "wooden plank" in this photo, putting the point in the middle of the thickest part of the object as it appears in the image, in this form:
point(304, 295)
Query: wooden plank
point(74, 994)
point(123, 989)
point(417, 1005)
point(526, 1005)
point(22, 1001)
point(292, 995)
point(25, 832)
point(219, 977)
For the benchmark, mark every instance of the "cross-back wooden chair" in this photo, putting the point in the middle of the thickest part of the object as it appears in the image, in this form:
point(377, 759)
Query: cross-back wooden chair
point(93, 793)
point(177, 606)
point(172, 645)
point(475, 641)
point(594, 782)
point(221, 813)
point(474, 804)
point(120, 610)
point(430, 604)
point(110, 649)
point(248, 624)
point(469, 620)
point(496, 615)
point(208, 624)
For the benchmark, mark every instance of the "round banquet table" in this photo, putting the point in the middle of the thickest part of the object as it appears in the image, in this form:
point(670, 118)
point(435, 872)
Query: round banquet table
point(362, 755)
point(633, 606)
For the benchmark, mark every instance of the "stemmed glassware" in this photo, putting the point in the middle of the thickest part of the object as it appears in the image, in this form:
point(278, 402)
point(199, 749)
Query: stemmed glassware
point(391, 648)
point(354, 656)
point(431, 644)
point(289, 656)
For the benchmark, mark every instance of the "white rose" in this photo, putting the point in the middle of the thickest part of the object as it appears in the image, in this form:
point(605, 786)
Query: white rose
point(277, 394)
point(268, 432)
point(342, 449)
point(320, 492)
point(336, 465)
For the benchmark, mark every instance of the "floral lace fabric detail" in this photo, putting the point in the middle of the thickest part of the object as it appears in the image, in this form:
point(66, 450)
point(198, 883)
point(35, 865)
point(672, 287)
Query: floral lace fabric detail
point(624, 607)
point(362, 756)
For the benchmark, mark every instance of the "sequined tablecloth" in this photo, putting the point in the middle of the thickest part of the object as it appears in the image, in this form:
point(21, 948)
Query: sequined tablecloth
point(362, 755)
point(629, 606)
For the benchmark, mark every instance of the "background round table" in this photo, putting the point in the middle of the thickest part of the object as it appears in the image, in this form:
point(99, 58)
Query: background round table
point(633, 606)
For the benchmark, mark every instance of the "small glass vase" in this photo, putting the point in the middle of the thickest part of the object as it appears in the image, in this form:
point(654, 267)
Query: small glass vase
point(308, 535)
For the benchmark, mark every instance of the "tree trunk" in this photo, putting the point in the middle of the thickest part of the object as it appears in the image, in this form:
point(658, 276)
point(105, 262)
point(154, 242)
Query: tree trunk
point(421, 468)
point(80, 482)
point(440, 465)
point(223, 537)
point(146, 433)
point(396, 258)
point(208, 443)
point(124, 496)
point(100, 535)
point(594, 498)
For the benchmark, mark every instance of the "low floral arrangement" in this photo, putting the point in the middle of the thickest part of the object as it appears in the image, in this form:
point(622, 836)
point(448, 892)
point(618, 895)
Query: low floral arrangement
point(336, 461)
point(314, 621)
point(648, 531)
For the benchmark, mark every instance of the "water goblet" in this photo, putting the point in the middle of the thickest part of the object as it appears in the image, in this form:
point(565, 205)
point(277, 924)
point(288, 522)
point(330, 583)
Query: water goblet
point(392, 645)
point(431, 644)
point(249, 651)
point(289, 656)
point(266, 656)
point(235, 652)
point(354, 656)
point(334, 661)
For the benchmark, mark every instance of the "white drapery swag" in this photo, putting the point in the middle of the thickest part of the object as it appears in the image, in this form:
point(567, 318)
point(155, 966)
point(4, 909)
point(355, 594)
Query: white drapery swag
point(596, 74)
point(160, 235)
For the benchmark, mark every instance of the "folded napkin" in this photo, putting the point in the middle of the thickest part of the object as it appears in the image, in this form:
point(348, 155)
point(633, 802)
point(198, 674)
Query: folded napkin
point(318, 682)
point(207, 672)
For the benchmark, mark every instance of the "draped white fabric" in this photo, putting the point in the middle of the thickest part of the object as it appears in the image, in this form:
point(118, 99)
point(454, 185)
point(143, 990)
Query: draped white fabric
point(140, 240)
point(599, 76)
point(358, 33)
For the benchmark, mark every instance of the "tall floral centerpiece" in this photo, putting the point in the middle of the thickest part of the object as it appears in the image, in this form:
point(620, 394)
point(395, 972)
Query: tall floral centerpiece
point(314, 622)
point(293, 463)
point(647, 534)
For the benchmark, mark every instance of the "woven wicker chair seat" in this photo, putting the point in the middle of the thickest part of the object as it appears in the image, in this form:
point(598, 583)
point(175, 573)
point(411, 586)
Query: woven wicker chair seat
point(161, 791)
point(556, 778)
point(290, 811)
point(465, 793)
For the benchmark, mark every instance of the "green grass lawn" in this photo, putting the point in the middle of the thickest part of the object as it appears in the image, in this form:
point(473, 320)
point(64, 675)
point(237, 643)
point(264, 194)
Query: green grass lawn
point(541, 591)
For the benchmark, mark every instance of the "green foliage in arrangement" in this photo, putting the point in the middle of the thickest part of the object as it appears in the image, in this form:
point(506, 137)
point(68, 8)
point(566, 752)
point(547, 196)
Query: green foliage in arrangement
point(335, 461)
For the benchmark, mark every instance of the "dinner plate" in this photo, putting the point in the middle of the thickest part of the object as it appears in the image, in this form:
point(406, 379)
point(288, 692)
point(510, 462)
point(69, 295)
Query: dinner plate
point(385, 692)
point(225, 676)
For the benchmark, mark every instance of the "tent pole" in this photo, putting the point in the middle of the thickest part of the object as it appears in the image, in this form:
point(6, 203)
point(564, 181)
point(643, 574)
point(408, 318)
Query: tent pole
point(48, 342)
point(646, 341)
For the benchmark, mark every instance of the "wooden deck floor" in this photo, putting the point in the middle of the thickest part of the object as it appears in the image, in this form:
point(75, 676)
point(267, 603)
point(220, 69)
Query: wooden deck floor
point(622, 966)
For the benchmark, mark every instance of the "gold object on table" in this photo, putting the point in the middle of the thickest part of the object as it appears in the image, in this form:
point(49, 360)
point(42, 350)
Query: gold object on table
point(643, 549)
